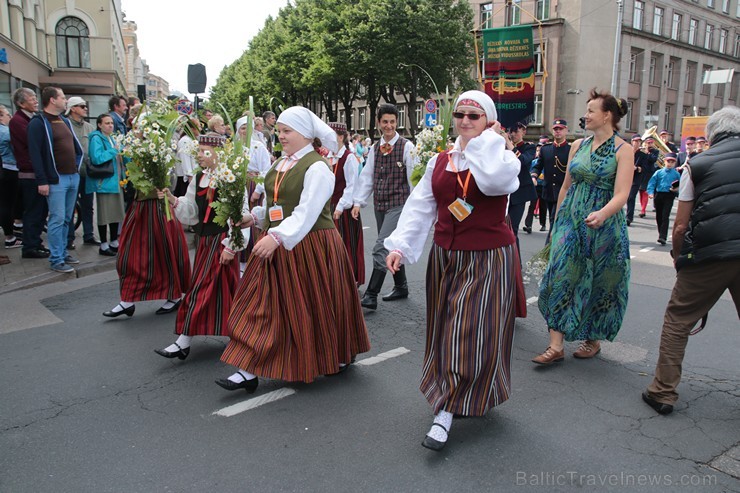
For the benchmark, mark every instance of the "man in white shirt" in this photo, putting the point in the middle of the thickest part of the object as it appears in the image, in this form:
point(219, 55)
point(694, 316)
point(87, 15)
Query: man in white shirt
point(386, 176)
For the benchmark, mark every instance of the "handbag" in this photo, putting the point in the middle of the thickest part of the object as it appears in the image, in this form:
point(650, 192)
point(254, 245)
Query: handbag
point(104, 170)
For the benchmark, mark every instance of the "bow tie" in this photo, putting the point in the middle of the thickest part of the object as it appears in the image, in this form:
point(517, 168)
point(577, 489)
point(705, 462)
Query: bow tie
point(386, 149)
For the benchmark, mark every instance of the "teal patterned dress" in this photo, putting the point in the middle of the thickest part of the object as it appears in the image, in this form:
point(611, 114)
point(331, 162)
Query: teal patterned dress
point(585, 286)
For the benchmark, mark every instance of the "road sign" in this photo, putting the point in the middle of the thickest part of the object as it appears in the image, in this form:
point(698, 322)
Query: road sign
point(430, 105)
point(430, 119)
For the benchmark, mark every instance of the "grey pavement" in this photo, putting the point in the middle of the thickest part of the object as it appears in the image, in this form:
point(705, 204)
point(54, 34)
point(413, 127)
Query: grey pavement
point(87, 406)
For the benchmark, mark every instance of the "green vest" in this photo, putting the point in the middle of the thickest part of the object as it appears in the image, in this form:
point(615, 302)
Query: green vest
point(289, 194)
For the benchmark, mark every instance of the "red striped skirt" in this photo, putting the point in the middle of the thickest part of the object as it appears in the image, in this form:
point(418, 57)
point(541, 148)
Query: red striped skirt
point(153, 261)
point(205, 308)
point(298, 315)
point(470, 329)
point(351, 232)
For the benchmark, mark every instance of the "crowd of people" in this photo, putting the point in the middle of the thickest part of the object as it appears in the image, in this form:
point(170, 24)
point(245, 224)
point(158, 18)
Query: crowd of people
point(288, 298)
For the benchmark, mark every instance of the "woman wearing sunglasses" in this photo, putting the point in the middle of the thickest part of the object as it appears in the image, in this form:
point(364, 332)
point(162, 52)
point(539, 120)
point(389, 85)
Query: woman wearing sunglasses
point(471, 272)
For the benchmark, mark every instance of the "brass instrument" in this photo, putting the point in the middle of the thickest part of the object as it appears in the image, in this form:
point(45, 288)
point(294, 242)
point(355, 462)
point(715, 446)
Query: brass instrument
point(663, 149)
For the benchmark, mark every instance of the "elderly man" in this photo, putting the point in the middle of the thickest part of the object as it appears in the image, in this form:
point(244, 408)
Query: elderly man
point(706, 249)
point(77, 112)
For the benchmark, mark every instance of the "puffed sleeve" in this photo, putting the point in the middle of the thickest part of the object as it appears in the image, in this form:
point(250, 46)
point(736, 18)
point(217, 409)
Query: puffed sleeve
point(495, 168)
point(186, 209)
point(351, 176)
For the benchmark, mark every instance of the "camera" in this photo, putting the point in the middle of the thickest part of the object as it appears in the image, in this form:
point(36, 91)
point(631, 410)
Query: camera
point(582, 122)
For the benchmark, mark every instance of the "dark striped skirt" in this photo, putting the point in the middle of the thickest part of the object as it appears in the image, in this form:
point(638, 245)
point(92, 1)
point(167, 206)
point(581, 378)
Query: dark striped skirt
point(470, 329)
point(153, 261)
point(205, 308)
point(351, 232)
point(297, 316)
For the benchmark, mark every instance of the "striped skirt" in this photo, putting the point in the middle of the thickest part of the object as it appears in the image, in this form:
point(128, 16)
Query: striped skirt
point(205, 307)
point(153, 261)
point(351, 232)
point(297, 316)
point(470, 329)
point(255, 232)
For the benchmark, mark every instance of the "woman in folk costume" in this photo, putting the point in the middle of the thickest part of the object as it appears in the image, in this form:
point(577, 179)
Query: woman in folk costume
point(205, 307)
point(471, 292)
point(296, 314)
point(346, 170)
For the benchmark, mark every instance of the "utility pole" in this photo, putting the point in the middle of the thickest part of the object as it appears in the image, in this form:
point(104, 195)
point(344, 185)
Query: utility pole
point(617, 47)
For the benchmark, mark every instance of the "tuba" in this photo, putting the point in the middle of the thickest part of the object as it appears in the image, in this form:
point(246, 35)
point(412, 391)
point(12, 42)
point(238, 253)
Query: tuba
point(663, 149)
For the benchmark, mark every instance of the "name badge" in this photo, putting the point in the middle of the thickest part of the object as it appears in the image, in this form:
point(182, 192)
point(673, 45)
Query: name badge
point(460, 209)
point(276, 213)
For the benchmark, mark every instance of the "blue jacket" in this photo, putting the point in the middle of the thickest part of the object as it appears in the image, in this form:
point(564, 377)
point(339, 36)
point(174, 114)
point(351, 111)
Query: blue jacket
point(40, 149)
point(662, 179)
point(100, 149)
point(6, 152)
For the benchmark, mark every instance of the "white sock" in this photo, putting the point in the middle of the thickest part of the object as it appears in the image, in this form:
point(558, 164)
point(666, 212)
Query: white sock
point(170, 303)
point(114, 243)
point(241, 375)
point(121, 306)
point(9, 239)
point(104, 245)
point(442, 418)
point(182, 342)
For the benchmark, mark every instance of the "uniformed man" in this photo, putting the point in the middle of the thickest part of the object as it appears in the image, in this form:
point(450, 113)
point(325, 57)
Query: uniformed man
point(525, 151)
point(683, 156)
point(667, 137)
point(552, 164)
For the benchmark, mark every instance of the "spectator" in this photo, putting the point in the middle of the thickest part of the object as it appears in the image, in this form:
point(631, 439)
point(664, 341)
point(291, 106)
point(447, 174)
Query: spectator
point(118, 108)
point(10, 197)
point(56, 155)
point(34, 204)
point(216, 124)
point(269, 131)
point(259, 130)
point(706, 249)
point(359, 149)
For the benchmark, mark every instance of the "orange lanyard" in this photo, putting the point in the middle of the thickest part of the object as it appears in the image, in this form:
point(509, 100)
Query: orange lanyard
point(335, 164)
point(279, 180)
point(467, 179)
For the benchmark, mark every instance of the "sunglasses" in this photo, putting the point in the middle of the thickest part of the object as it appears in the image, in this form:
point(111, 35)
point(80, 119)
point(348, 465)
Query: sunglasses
point(83, 106)
point(471, 116)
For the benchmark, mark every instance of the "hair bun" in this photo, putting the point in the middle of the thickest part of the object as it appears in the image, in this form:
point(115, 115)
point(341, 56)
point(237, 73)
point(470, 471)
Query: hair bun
point(623, 108)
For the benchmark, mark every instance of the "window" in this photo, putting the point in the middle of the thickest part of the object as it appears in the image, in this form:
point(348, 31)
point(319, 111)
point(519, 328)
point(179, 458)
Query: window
point(419, 117)
point(668, 117)
point(726, 6)
point(737, 46)
point(401, 117)
point(636, 66)
point(653, 69)
point(486, 11)
point(693, 27)
point(676, 27)
point(361, 120)
point(538, 109)
point(705, 88)
point(538, 53)
point(669, 74)
point(628, 123)
point(542, 9)
point(723, 40)
point(515, 12)
point(720, 90)
point(73, 43)
point(686, 111)
point(649, 109)
point(690, 76)
point(708, 37)
point(658, 21)
point(710, 4)
point(637, 14)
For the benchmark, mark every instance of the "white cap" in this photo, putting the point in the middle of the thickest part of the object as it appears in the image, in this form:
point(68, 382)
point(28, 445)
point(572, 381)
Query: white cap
point(74, 101)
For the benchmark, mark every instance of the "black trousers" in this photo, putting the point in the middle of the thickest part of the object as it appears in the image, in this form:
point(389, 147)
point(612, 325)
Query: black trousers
point(11, 205)
point(634, 190)
point(35, 210)
point(542, 214)
point(663, 204)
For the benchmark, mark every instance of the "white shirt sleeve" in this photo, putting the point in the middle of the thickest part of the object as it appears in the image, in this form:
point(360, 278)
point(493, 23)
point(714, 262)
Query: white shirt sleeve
point(185, 160)
point(418, 215)
point(318, 186)
point(364, 186)
point(259, 162)
point(187, 210)
point(351, 167)
point(495, 168)
point(410, 160)
point(686, 192)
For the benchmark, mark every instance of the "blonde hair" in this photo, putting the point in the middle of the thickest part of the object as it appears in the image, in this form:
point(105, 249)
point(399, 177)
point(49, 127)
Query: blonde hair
point(215, 120)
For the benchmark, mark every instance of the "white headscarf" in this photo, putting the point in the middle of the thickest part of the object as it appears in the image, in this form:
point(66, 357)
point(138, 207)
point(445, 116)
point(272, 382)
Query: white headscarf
point(306, 123)
point(483, 99)
point(241, 121)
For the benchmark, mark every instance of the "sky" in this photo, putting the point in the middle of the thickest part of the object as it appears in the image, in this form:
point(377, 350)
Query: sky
point(220, 29)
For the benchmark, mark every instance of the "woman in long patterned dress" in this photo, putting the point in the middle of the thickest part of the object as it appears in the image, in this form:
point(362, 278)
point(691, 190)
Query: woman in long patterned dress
point(585, 286)
point(346, 169)
point(471, 273)
point(296, 314)
point(205, 307)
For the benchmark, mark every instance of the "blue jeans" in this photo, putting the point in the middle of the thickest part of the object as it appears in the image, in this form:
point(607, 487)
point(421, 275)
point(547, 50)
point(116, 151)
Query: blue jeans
point(61, 200)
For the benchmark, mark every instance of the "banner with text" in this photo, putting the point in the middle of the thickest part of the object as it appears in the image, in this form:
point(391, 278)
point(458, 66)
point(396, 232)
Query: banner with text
point(508, 68)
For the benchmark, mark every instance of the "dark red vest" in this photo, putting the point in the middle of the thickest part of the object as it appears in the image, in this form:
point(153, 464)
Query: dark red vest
point(340, 182)
point(484, 229)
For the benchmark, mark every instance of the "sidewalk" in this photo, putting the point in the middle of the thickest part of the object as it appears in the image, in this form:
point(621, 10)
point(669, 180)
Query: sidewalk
point(22, 273)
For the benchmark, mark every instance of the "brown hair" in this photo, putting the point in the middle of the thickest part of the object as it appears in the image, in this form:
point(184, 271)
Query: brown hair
point(617, 107)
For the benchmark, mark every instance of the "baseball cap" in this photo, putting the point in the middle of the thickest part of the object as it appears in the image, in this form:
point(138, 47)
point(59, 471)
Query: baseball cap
point(664, 132)
point(670, 155)
point(559, 123)
point(636, 137)
point(74, 101)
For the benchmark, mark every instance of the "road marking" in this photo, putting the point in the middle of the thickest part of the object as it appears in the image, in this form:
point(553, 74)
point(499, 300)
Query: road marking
point(278, 394)
point(531, 301)
point(383, 356)
point(254, 402)
point(647, 249)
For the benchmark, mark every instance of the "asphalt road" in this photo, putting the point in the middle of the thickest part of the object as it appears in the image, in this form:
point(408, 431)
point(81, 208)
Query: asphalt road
point(86, 405)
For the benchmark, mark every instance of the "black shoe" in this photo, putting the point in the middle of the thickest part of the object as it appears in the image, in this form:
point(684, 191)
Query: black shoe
point(162, 310)
point(659, 407)
point(543, 228)
point(400, 286)
point(629, 223)
point(35, 253)
point(527, 229)
point(71, 246)
point(181, 353)
point(249, 385)
point(433, 444)
point(126, 311)
point(44, 249)
point(107, 252)
point(661, 241)
point(113, 249)
point(642, 215)
point(91, 241)
point(370, 299)
point(342, 369)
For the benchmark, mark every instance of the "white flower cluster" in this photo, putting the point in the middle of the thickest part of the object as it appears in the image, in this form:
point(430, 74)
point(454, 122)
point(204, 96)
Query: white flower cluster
point(148, 143)
point(228, 167)
point(428, 143)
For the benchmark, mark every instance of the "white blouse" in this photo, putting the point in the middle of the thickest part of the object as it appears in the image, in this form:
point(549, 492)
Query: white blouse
point(364, 187)
point(259, 161)
point(496, 172)
point(186, 209)
point(318, 187)
point(351, 172)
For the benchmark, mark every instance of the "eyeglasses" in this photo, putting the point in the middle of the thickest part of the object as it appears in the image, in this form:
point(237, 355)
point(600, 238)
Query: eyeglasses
point(471, 116)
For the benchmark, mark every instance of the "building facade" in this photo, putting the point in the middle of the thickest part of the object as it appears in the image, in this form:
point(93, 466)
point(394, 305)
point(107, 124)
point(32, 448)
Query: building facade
point(156, 87)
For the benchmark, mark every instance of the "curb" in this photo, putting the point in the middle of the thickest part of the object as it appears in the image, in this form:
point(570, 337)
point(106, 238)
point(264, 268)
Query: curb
point(82, 270)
